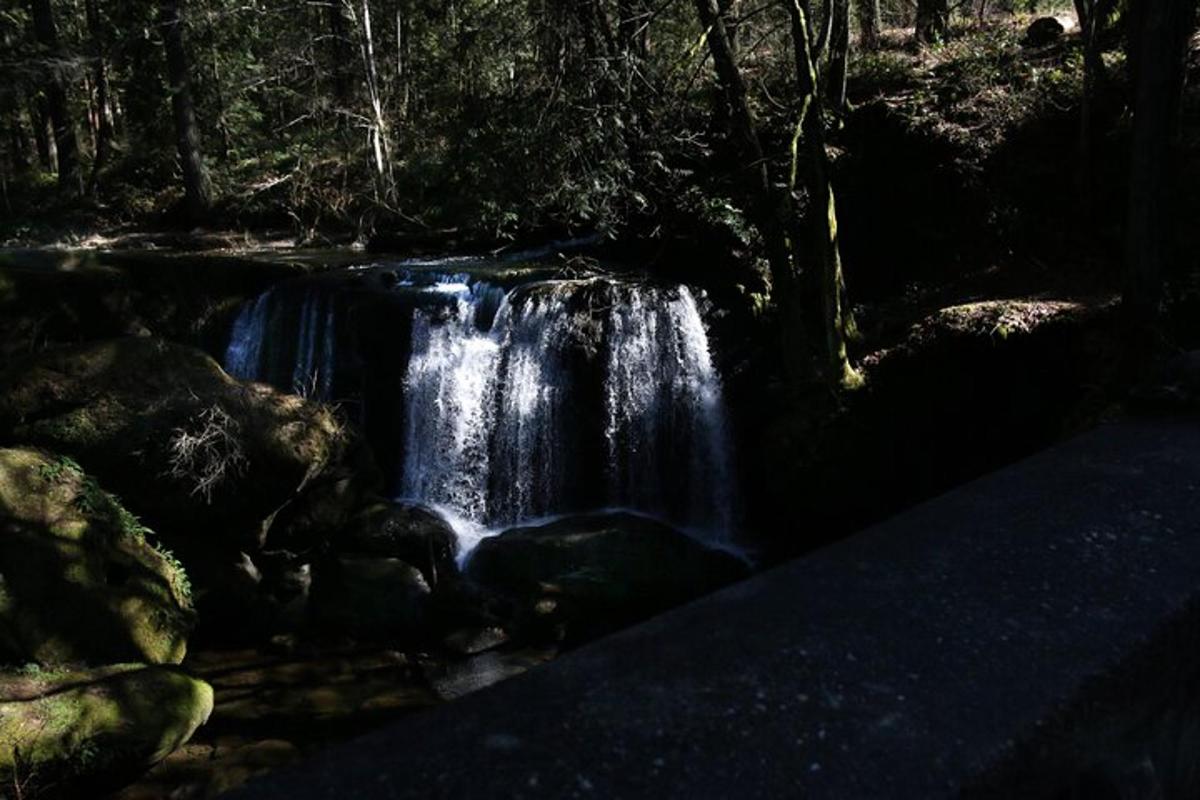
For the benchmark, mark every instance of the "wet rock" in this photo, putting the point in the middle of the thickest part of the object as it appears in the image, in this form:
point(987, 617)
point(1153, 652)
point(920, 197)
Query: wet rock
point(409, 531)
point(473, 641)
point(602, 571)
point(80, 579)
point(74, 733)
point(369, 598)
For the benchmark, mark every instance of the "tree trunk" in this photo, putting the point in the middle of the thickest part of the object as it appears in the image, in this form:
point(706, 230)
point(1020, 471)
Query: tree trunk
point(820, 31)
point(104, 125)
point(933, 20)
point(46, 34)
point(39, 120)
point(827, 286)
point(812, 344)
point(377, 132)
point(197, 186)
point(839, 55)
point(869, 25)
point(766, 210)
point(1159, 33)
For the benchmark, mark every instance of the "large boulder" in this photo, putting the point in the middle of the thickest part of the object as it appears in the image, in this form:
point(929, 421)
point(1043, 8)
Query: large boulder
point(601, 571)
point(193, 451)
point(407, 531)
point(1043, 31)
point(369, 598)
point(75, 733)
point(80, 579)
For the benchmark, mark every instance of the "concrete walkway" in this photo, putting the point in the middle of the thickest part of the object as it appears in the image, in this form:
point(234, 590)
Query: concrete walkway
point(1034, 632)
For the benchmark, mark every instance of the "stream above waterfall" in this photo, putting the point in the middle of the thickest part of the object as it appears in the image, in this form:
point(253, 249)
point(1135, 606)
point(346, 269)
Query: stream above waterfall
point(500, 393)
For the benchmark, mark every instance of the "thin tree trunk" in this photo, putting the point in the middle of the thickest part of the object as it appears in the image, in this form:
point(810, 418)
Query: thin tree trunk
point(834, 321)
point(767, 210)
point(820, 32)
point(812, 344)
point(39, 121)
point(869, 25)
point(839, 55)
point(377, 130)
point(104, 124)
point(1158, 37)
point(933, 21)
point(46, 33)
point(197, 186)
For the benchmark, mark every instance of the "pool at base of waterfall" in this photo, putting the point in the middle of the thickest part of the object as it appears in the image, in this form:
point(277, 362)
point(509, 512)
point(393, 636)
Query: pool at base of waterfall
point(500, 393)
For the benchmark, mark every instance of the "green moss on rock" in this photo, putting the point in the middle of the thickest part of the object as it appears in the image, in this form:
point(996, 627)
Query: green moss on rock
point(80, 579)
point(70, 729)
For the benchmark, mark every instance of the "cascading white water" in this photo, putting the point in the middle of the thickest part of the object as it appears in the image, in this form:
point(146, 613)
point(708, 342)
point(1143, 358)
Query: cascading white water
point(551, 397)
point(664, 405)
point(488, 408)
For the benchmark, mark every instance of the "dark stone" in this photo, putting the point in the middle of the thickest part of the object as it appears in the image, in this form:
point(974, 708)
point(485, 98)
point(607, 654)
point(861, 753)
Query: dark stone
point(408, 531)
point(369, 598)
point(1043, 31)
point(601, 570)
point(1025, 635)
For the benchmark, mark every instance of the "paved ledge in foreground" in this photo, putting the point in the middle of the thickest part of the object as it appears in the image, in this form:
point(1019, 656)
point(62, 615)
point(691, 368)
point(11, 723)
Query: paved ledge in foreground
point(1035, 633)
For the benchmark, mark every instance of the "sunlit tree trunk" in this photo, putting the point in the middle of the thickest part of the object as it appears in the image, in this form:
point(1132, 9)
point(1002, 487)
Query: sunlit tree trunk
point(377, 128)
point(197, 186)
point(46, 33)
point(1159, 33)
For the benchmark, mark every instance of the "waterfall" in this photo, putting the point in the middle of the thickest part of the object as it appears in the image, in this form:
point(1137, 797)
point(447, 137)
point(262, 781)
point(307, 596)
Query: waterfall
point(260, 350)
point(488, 409)
point(520, 401)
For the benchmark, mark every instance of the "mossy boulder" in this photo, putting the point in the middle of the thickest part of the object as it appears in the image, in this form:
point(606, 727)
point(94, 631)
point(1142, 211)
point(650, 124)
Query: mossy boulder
point(80, 579)
point(190, 449)
point(67, 733)
point(597, 572)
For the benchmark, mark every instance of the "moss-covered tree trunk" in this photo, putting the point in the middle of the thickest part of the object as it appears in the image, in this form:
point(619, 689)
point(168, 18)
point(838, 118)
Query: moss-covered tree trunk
point(806, 285)
point(57, 103)
point(1159, 33)
point(826, 284)
point(197, 186)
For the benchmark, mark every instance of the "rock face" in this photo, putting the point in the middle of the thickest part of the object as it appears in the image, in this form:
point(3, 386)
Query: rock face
point(192, 450)
point(601, 571)
point(60, 297)
point(72, 732)
point(369, 598)
point(1043, 31)
point(79, 581)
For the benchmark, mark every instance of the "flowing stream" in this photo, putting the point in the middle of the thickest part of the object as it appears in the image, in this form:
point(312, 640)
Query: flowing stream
point(516, 397)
